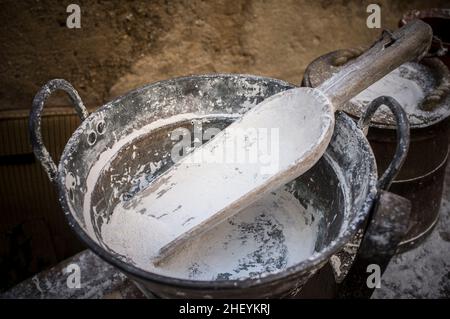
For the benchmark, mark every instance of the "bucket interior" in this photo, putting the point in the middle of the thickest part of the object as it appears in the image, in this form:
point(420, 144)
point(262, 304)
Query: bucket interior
point(129, 142)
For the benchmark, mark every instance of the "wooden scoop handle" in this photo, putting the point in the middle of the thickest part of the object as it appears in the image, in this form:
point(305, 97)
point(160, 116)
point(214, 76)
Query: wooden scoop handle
point(408, 43)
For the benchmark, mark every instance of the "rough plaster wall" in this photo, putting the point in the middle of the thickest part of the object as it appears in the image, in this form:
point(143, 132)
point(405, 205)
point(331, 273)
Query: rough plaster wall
point(271, 38)
point(120, 47)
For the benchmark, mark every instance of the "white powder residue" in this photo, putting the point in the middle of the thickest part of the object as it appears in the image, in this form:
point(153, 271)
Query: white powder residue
point(407, 92)
point(105, 158)
point(272, 234)
point(409, 84)
point(269, 236)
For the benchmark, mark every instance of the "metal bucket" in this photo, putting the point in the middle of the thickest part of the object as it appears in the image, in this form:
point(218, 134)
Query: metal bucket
point(422, 176)
point(343, 184)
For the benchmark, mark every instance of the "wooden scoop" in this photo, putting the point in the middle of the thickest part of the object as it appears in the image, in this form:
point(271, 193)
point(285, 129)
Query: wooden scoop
point(291, 131)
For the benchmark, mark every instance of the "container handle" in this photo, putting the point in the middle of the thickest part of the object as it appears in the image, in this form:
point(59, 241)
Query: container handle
point(388, 219)
point(403, 136)
point(39, 149)
point(342, 57)
point(437, 95)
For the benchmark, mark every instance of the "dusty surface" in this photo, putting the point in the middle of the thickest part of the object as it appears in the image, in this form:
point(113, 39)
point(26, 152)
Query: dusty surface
point(120, 47)
point(425, 271)
point(97, 280)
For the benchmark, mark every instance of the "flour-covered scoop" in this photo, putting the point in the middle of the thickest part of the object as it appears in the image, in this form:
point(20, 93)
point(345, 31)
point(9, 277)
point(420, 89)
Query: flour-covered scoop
point(271, 144)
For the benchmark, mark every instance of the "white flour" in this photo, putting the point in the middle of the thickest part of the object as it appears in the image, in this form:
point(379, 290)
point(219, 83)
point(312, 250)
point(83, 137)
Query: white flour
point(195, 195)
point(407, 92)
point(270, 235)
point(105, 158)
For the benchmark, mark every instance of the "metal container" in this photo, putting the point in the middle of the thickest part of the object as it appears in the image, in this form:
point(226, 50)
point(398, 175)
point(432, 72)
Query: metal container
point(343, 184)
point(421, 177)
point(439, 20)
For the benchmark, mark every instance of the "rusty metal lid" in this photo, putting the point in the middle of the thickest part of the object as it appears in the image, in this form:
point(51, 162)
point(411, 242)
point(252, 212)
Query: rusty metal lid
point(421, 88)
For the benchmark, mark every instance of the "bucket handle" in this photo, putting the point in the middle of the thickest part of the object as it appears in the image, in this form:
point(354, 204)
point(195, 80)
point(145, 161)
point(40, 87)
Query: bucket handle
point(388, 219)
point(403, 136)
point(39, 149)
point(437, 95)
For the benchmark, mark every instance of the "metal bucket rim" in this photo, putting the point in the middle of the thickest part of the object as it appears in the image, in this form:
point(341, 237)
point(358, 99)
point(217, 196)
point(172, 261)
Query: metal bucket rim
point(312, 263)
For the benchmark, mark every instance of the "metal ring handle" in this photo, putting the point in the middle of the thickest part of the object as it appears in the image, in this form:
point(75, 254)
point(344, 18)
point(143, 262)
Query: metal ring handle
point(388, 218)
point(345, 55)
point(403, 136)
point(39, 149)
point(439, 93)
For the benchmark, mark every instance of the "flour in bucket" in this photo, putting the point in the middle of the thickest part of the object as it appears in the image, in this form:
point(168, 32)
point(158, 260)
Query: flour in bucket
point(269, 236)
point(409, 84)
point(274, 233)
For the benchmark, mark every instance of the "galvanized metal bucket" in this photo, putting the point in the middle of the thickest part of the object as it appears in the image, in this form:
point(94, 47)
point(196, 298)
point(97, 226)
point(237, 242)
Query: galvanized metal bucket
point(343, 183)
